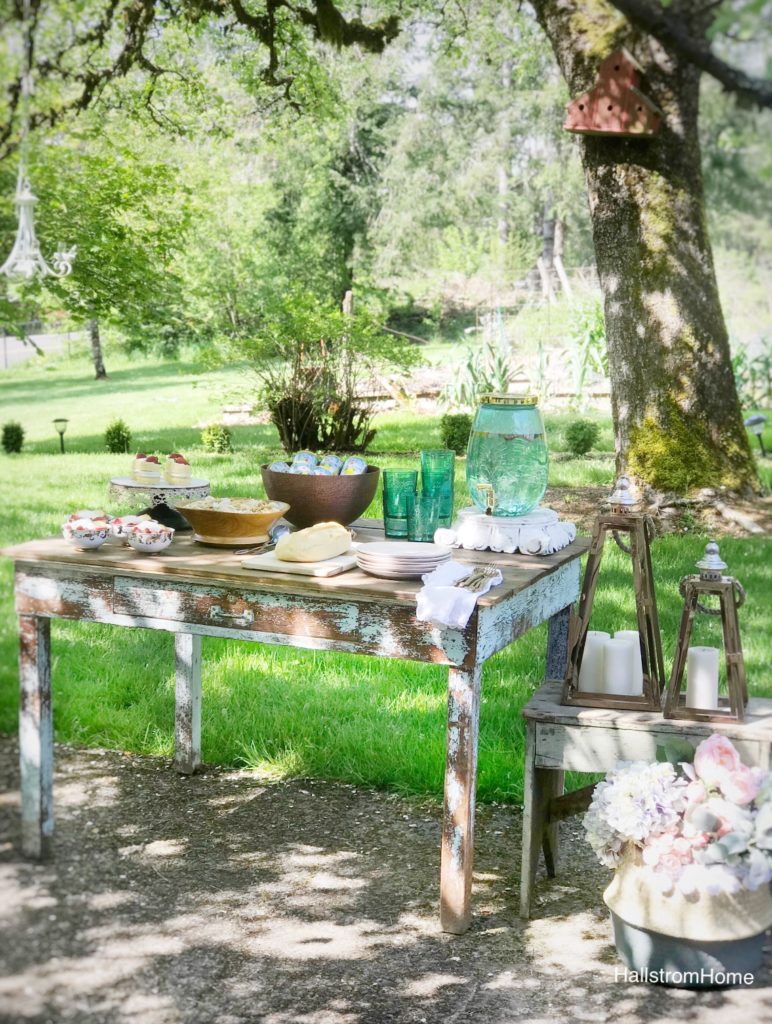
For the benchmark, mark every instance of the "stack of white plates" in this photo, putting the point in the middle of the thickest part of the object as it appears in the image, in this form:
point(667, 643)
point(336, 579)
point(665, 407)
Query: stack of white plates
point(400, 560)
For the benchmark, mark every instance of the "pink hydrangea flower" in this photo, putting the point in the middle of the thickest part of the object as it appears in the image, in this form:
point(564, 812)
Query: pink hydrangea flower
point(715, 759)
point(695, 793)
point(741, 787)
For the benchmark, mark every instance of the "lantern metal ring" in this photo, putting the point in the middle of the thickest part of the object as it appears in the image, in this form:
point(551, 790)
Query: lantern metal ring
point(739, 595)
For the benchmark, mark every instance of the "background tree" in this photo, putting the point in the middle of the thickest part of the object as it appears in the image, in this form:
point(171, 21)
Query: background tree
point(676, 414)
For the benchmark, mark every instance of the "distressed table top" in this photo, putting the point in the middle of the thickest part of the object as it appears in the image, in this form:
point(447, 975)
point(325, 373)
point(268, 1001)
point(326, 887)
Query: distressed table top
point(545, 707)
point(188, 560)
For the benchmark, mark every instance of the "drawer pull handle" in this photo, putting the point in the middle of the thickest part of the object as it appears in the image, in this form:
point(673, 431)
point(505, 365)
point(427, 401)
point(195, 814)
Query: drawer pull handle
point(245, 618)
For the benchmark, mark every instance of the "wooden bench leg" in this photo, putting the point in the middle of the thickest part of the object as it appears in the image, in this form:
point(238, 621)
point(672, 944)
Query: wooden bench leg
point(460, 781)
point(36, 736)
point(533, 817)
point(541, 786)
point(550, 785)
point(187, 702)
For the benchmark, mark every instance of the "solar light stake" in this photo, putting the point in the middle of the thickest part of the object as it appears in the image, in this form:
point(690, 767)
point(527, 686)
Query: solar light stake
point(756, 424)
point(61, 426)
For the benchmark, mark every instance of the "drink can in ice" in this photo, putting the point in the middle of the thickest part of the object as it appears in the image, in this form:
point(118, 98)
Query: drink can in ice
point(322, 471)
point(353, 466)
point(304, 459)
point(300, 469)
point(332, 462)
point(279, 467)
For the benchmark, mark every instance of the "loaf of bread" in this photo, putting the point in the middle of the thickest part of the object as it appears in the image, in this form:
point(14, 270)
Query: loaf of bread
point(315, 544)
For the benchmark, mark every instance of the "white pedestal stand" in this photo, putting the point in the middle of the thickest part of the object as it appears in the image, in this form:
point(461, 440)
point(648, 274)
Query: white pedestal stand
point(161, 495)
point(540, 532)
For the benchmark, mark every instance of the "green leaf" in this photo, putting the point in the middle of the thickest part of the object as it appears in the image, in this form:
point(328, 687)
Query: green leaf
point(675, 749)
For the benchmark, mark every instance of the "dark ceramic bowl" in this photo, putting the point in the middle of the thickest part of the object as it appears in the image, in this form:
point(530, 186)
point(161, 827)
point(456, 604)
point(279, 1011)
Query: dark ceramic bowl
point(321, 499)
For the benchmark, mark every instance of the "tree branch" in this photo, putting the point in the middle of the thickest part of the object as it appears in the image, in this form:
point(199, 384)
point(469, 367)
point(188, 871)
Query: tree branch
point(675, 35)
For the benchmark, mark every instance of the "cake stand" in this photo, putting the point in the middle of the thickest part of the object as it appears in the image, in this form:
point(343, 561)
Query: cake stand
point(161, 496)
point(540, 532)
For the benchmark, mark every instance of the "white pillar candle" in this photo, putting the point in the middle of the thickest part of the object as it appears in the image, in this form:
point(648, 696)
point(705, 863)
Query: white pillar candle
point(633, 637)
point(618, 666)
point(702, 677)
point(591, 672)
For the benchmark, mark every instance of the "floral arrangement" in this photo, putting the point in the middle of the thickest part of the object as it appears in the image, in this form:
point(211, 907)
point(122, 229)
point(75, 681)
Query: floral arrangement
point(701, 827)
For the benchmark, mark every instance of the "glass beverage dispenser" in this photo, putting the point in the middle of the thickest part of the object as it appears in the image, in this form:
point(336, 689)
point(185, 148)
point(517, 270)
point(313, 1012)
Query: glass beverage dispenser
point(506, 466)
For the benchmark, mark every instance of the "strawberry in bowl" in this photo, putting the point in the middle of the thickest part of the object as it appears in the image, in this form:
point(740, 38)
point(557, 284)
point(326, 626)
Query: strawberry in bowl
point(149, 537)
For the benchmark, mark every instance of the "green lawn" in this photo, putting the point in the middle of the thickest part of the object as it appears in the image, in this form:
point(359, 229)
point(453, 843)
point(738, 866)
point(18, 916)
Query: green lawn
point(281, 711)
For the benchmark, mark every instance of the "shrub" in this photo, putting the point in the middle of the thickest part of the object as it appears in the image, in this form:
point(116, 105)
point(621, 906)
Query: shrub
point(319, 370)
point(216, 438)
point(581, 436)
point(117, 438)
point(13, 437)
point(455, 429)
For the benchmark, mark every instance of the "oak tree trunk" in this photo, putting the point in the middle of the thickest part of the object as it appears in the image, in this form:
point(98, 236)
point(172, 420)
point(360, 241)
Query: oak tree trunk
point(96, 349)
point(677, 417)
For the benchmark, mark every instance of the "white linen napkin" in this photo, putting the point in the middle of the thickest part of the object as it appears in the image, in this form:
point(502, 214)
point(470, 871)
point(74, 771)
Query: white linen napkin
point(444, 605)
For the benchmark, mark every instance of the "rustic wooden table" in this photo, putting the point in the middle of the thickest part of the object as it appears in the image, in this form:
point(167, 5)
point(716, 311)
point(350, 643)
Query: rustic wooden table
point(194, 591)
point(578, 739)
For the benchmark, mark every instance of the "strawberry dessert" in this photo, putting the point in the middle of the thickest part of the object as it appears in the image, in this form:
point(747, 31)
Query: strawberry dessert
point(177, 469)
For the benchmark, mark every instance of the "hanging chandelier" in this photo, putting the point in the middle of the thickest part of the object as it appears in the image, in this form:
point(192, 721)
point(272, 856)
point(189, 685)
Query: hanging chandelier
point(25, 260)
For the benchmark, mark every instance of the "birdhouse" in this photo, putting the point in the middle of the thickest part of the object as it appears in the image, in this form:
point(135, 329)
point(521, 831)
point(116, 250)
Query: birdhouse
point(702, 702)
point(615, 105)
point(625, 671)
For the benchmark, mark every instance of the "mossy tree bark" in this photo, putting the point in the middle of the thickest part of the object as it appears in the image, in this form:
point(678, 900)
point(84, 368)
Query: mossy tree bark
point(677, 418)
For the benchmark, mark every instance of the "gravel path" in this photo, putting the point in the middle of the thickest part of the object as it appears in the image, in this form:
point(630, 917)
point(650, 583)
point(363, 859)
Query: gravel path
point(223, 899)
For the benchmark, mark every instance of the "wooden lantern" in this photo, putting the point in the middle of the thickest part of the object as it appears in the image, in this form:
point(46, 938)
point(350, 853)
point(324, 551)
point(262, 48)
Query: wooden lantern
point(624, 517)
point(731, 597)
point(615, 105)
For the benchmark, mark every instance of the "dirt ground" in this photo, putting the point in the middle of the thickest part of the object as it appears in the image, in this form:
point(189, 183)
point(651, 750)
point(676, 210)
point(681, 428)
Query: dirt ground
point(221, 899)
point(581, 505)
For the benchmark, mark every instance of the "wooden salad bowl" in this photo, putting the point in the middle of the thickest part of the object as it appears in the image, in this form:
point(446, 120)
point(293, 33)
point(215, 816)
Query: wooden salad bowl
point(322, 499)
point(223, 528)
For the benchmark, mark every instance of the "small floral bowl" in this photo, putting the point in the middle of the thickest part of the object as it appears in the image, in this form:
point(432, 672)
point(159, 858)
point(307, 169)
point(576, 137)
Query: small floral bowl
point(121, 524)
point(86, 533)
point(149, 537)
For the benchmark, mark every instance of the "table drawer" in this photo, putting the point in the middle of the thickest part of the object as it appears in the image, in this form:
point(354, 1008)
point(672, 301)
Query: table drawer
point(231, 608)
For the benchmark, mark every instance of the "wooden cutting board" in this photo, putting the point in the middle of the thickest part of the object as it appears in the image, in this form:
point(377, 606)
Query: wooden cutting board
point(268, 562)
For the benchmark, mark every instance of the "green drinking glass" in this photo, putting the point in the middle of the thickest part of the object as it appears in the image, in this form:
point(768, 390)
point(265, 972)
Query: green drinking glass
point(398, 485)
point(438, 468)
point(423, 516)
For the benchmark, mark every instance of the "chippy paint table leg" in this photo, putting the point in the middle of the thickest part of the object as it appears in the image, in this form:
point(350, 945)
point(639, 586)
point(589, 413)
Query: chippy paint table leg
point(460, 781)
point(36, 736)
point(187, 702)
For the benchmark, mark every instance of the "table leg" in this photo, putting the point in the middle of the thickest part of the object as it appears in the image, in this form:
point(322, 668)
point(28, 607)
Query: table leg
point(460, 781)
point(557, 644)
point(187, 702)
point(36, 736)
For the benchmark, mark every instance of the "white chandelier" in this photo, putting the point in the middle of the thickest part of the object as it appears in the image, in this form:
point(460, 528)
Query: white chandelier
point(25, 260)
